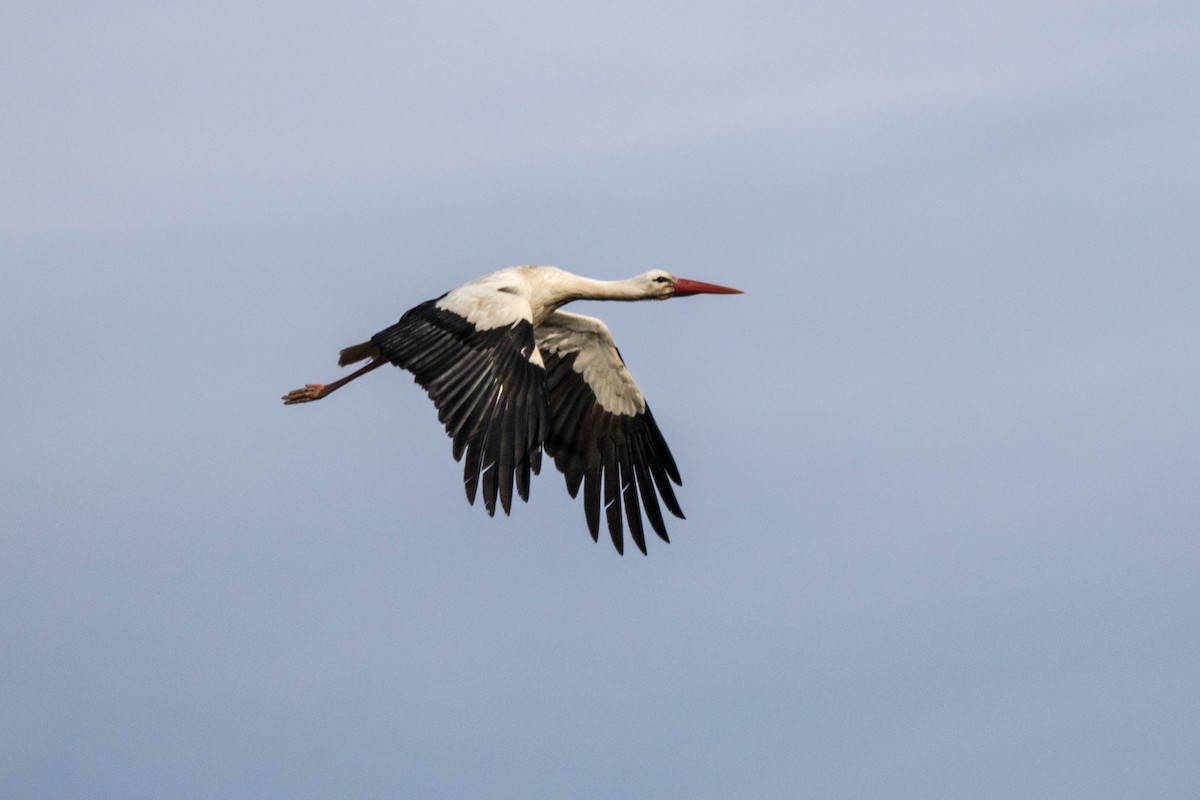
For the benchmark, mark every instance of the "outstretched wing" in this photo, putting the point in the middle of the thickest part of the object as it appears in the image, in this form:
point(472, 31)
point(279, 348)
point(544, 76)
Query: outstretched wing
point(486, 378)
point(602, 433)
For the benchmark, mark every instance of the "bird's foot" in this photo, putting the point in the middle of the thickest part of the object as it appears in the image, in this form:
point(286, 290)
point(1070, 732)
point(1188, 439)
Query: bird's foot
point(313, 391)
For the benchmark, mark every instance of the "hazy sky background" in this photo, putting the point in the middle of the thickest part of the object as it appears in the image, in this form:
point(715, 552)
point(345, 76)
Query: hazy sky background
point(940, 461)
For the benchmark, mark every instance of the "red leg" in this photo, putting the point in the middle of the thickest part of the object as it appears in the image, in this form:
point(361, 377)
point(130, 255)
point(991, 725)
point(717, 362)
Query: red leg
point(315, 391)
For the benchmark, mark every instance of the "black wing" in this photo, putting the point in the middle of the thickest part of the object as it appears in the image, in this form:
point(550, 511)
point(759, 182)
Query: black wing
point(490, 396)
point(602, 433)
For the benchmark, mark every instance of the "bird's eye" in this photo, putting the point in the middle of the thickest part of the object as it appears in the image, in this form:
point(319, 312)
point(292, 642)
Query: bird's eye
point(661, 279)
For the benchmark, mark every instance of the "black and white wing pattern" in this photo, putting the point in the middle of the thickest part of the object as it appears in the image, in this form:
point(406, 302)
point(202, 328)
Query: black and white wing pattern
point(602, 433)
point(485, 376)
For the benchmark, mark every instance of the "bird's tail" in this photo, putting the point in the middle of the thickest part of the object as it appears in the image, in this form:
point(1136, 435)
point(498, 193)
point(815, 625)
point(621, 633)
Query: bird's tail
point(358, 352)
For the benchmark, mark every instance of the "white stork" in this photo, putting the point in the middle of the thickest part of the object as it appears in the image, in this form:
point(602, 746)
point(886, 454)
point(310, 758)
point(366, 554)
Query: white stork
point(510, 375)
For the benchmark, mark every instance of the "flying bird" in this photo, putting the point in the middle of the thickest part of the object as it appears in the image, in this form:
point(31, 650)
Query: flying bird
point(511, 375)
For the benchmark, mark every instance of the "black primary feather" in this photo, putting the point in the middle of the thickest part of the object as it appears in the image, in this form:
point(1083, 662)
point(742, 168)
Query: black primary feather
point(492, 399)
point(617, 458)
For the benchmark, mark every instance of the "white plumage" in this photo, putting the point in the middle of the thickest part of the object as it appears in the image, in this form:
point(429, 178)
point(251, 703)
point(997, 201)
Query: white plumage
point(511, 376)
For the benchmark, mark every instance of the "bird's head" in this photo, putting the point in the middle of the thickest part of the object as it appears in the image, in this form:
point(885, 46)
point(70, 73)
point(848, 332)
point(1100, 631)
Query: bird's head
point(661, 284)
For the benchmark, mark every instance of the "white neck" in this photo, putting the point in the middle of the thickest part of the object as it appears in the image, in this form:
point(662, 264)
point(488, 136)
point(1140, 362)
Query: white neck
point(566, 287)
point(554, 288)
point(580, 288)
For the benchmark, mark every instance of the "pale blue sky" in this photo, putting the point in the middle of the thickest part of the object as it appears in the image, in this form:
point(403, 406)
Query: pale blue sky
point(940, 461)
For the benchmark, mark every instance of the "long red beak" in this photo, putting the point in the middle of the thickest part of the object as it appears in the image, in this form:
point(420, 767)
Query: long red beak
point(684, 287)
